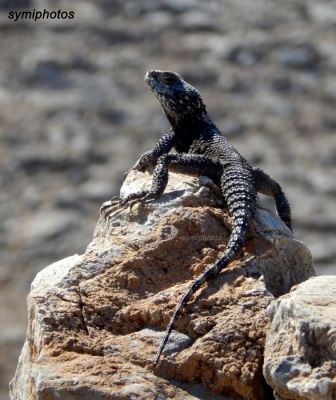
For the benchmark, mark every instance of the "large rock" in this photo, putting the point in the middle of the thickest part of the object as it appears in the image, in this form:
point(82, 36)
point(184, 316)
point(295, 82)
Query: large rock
point(300, 354)
point(95, 321)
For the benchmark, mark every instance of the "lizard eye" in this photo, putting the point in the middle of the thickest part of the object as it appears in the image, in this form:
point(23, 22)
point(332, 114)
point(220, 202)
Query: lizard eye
point(168, 79)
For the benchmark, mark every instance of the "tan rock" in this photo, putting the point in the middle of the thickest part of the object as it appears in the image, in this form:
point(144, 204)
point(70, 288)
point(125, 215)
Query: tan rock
point(300, 354)
point(96, 320)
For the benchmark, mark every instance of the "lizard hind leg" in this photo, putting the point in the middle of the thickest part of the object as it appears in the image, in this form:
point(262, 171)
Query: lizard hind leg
point(268, 186)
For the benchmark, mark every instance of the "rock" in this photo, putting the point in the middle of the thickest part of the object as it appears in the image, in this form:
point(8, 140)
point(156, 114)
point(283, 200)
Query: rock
point(47, 74)
point(330, 89)
point(244, 55)
point(98, 190)
point(238, 52)
point(198, 21)
point(300, 353)
point(68, 198)
point(99, 58)
point(179, 6)
point(232, 128)
point(159, 19)
point(323, 13)
point(204, 77)
point(7, 5)
point(5, 274)
point(46, 225)
point(297, 56)
point(95, 320)
point(283, 84)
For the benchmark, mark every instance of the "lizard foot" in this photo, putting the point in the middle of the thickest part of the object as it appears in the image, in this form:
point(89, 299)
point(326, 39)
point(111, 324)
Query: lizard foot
point(138, 197)
point(106, 210)
point(117, 205)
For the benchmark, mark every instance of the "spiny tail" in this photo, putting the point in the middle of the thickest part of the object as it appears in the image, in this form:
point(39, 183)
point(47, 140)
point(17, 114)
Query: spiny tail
point(283, 208)
point(241, 203)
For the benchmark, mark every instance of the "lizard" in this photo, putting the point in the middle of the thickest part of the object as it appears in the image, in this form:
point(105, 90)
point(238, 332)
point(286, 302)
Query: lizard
point(201, 149)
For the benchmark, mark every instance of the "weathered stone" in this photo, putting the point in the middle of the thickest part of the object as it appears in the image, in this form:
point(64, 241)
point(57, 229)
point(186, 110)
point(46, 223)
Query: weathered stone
point(323, 13)
point(300, 56)
point(46, 225)
point(300, 354)
point(96, 320)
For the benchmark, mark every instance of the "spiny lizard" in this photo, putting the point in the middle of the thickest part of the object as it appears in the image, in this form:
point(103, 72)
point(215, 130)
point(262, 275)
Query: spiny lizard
point(202, 149)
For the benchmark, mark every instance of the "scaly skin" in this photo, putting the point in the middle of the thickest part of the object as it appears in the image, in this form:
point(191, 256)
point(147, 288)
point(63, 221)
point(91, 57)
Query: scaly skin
point(202, 149)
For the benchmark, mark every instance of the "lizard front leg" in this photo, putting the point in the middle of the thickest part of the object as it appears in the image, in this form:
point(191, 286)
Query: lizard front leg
point(150, 157)
point(163, 146)
point(185, 163)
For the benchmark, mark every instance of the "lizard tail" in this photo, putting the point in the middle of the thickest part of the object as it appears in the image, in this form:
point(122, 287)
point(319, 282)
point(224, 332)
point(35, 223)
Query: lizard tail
point(283, 208)
point(241, 202)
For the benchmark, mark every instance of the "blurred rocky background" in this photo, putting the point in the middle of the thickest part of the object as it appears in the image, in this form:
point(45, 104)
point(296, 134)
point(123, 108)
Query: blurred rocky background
point(75, 114)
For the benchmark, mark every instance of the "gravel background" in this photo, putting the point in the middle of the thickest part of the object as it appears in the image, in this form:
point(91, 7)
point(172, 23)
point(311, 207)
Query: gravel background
point(75, 114)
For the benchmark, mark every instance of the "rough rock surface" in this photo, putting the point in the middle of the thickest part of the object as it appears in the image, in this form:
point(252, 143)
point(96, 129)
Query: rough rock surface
point(300, 354)
point(95, 320)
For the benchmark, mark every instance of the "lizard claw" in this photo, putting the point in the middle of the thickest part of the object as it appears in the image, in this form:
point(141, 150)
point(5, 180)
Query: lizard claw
point(147, 196)
point(112, 207)
point(107, 209)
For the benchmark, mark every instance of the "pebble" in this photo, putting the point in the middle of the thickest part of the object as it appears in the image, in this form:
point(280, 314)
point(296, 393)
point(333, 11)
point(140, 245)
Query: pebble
point(68, 198)
point(300, 56)
point(48, 74)
point(329, 87)
point(244, 55)
point(45, 225)
point(98, 191)
point(198, 21)
point(5, 274)
point(7, 5)
point(323, 13)
point(177, 341)
point(285, 85)
point(231, 127)
point(159, 19)
point(180, 6)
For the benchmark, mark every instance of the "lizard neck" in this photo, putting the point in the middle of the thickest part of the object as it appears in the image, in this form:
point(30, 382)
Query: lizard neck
point(194, 124)
point(191, 129)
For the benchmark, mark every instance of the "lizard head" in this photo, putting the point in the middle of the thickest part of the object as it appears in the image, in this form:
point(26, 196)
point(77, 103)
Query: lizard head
point(177, 97)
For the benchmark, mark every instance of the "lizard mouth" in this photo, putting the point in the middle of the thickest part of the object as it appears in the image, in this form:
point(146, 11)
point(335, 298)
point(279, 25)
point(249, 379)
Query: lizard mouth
point(151, 78)
point(148, 76)
point(154, 83)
